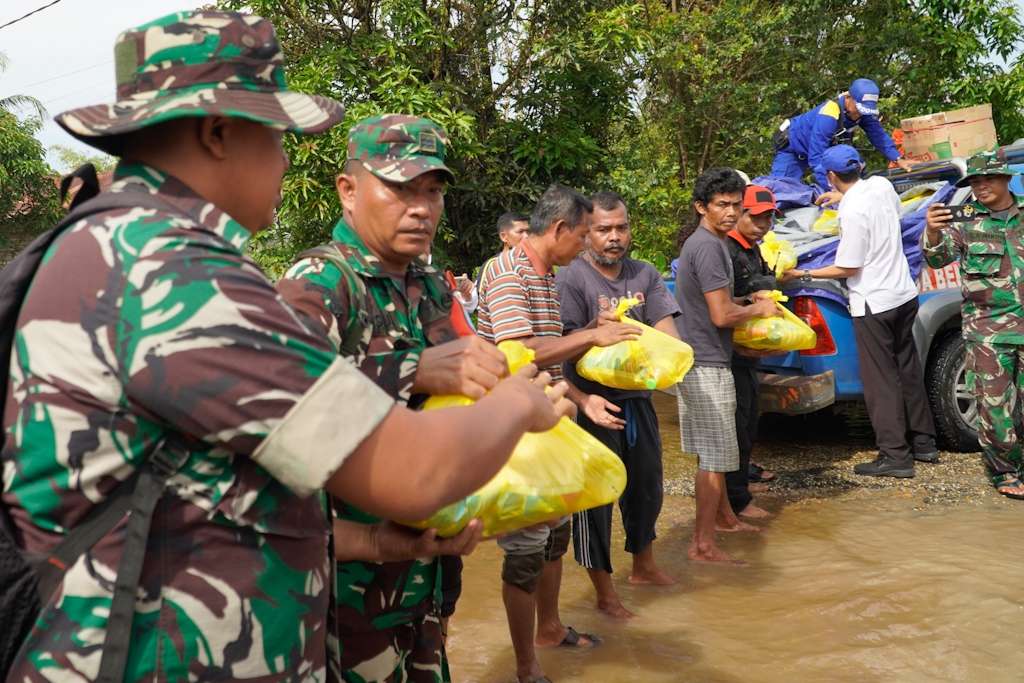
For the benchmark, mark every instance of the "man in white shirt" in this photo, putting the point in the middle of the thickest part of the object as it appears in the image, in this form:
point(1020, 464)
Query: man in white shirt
point(883, 303)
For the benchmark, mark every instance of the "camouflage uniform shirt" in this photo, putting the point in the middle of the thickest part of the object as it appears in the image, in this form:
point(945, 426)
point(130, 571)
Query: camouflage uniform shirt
point(991, 253)
point(138, 321)
point(377, 595)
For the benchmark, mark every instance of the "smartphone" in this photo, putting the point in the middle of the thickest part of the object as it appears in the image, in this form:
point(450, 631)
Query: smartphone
point(962, 213)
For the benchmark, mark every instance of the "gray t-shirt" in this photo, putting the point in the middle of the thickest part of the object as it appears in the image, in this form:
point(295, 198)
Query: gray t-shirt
point(704, 266)
point(583, 293)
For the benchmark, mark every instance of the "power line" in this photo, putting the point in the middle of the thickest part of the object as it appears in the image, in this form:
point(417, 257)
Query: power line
point(29, 14)
point(32, 85)
point(95, 85)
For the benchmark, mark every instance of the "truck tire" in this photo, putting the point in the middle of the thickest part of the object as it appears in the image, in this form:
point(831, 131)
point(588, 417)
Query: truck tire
point(955, 410)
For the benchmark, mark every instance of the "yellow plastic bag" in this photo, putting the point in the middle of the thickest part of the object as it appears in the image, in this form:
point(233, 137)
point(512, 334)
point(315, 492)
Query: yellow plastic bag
point(788, 333)
point(827, 223)
point(654, 361)
point(549, 475)
point(778, 254)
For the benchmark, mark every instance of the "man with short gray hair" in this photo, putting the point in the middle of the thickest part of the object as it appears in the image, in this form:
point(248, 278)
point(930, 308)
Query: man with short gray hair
point(518, 300)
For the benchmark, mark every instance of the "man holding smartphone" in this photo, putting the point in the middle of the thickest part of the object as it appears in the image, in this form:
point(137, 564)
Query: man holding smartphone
point(883, 304)
point(988, 243)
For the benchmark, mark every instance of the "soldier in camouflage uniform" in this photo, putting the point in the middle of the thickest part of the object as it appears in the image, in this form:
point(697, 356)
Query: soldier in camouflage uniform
point(990, 247)
point(386, 308)
point(141, 322)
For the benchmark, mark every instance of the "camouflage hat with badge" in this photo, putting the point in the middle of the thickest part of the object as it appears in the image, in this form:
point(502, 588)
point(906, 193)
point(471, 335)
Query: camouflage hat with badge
point(985, 163)
point(399, 148)
point(200, 63)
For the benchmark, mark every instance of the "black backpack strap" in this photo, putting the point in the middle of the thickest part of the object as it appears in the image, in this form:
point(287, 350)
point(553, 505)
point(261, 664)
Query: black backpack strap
point(90, 184)
point(140, 492)
point(359, 312)
point(168, 457)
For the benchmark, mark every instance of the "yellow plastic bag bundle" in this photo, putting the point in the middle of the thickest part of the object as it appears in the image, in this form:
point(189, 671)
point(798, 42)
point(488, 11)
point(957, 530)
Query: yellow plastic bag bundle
point(654, 361)
point(788, 333)
point(778, 254)
point(549, 475)
point(827, 223)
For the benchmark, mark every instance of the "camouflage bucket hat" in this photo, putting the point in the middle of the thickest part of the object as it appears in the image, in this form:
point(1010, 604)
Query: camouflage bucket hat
point(398, 148)
point(200, 63)
point(985, 163)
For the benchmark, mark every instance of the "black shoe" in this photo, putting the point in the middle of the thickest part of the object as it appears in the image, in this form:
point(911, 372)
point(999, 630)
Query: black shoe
point(884, 466)
point(926, 452)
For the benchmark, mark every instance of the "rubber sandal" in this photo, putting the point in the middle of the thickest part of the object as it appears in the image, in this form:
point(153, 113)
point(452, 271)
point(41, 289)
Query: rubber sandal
point(1010, 480)
point(573, 637)
point(756, 475)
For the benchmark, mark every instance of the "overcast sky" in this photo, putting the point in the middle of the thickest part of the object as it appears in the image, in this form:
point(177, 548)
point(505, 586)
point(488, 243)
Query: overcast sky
point(72, 36)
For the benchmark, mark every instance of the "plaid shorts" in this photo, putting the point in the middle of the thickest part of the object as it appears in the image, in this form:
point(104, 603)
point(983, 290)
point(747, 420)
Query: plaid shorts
point(707, 418)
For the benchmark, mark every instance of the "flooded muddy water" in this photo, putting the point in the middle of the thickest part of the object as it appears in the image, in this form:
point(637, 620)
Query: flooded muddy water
point(862, 585)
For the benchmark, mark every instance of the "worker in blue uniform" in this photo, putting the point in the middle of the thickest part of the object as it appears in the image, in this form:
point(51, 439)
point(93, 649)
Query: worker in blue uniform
point(800, 141)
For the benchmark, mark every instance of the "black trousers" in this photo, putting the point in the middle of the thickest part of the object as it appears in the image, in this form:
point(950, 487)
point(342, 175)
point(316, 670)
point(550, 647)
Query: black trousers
point(890, 371)
point(640, 503)
point(748, 404)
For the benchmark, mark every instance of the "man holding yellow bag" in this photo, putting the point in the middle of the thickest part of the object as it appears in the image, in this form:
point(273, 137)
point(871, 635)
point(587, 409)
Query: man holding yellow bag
point(594, 283)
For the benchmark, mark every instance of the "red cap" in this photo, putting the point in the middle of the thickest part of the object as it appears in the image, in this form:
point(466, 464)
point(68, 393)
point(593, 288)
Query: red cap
point(758, 199)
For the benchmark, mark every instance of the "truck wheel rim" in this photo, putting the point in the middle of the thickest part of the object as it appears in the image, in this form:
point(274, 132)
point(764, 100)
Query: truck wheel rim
point(966, 404)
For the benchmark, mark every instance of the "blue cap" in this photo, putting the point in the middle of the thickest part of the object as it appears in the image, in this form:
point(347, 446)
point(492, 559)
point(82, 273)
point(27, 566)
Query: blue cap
point(865, 96)
point(840, 158)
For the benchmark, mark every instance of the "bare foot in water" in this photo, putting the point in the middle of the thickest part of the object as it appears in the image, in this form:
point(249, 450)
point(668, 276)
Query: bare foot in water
point(715, 555)
point(739, 526)
point(754, 512)
point(615, 611)
point(657, 577)
point(757, 488)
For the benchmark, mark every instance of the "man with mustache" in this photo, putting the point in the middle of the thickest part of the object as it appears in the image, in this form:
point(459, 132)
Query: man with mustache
point(593, 284)
point(991, 257)
point(385, 307)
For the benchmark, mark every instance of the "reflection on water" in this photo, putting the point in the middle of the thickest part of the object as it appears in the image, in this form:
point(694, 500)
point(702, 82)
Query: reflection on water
point(839, 590)
point(852, 585)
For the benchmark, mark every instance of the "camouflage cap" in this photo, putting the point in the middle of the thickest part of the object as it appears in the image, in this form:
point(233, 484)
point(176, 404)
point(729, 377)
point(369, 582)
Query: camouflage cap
point(200, 63)
point(398, 148)
point(985, 163)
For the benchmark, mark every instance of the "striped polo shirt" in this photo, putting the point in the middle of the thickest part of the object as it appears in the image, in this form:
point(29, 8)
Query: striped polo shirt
point(516, 301)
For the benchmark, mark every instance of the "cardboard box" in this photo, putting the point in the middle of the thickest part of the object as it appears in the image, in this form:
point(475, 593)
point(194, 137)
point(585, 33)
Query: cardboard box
point(948, 134)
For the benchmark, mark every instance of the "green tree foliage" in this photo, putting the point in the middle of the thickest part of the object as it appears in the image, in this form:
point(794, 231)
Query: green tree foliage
point(71, 158)
point(29, 201)
point(640, 97)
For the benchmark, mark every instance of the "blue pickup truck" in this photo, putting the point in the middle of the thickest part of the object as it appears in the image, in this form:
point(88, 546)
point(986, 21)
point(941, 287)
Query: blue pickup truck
point(827, 377)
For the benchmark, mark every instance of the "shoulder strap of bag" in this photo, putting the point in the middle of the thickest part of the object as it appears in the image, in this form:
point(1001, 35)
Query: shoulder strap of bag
point(141, 491)
point(359, 313)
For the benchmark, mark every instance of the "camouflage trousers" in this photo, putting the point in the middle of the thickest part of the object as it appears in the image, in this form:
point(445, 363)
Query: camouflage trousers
point(994, 373)
point(407, 653)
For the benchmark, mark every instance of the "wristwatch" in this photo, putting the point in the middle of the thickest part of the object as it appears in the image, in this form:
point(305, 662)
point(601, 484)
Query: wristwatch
point(747, 300)
point(806, 276)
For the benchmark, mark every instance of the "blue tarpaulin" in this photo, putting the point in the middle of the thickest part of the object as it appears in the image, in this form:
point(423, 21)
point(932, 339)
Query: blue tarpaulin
point(911, 226)
point(790, 193)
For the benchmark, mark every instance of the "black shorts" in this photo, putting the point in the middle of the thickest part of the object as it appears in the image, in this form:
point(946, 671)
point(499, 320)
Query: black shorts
point(640, 503)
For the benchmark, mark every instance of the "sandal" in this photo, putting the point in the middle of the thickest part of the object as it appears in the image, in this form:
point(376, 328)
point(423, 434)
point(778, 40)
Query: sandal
point(572, 638)
point(1011, 482)
point(757, 475)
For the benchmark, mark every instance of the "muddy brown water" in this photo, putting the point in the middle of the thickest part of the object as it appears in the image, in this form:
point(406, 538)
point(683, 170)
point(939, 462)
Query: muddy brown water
point(857, 586)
